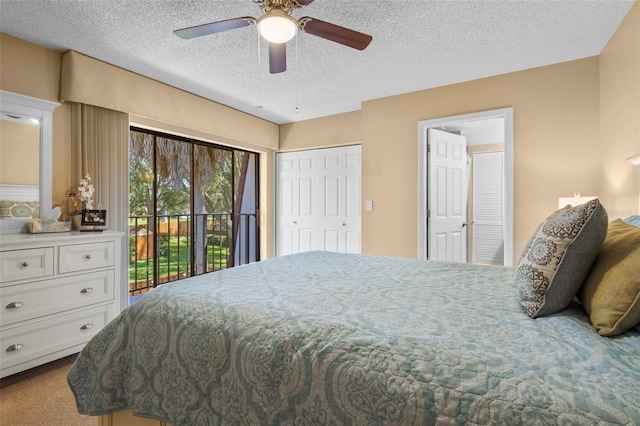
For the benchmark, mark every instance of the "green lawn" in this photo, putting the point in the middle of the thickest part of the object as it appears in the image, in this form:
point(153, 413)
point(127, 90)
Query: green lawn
point(174, 258)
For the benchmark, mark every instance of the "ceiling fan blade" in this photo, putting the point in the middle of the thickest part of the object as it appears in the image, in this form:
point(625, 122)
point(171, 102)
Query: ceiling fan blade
point(277, 57)
point(335, 33)
point(303, 3)
point(215, 27)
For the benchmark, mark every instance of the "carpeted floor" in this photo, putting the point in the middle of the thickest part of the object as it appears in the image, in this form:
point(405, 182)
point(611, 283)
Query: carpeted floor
point(41, 397)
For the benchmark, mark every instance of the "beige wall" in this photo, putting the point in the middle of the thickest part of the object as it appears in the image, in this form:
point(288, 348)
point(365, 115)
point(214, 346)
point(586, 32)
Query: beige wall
point(620, 118)
point(556, 146)
point(333, 130)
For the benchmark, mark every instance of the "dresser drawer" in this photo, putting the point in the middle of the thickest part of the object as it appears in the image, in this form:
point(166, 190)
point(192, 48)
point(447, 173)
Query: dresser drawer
point(23, 264)
point(27, 301)
point(42, 338)
point(81, 257)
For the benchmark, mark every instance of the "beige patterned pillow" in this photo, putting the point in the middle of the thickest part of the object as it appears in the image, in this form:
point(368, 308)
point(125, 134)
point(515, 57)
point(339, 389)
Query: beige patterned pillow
point(558, 257)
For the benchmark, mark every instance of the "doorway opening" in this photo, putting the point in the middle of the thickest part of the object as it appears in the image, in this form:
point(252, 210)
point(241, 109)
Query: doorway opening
point(465, 124)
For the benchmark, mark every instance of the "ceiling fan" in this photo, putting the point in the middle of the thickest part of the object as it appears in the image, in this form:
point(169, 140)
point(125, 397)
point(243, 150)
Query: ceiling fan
point(277, 26)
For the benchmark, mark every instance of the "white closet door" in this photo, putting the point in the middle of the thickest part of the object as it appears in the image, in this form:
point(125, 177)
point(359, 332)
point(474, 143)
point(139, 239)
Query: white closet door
point(319, 197)
point(296, 192)
point(487, 208)
point(339, 217)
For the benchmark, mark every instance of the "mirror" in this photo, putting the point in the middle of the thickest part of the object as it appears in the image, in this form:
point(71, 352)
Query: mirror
point(26, 126)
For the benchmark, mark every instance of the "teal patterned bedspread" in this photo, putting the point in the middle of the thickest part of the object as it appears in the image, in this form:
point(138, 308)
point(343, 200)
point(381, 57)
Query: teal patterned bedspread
point(330, 339)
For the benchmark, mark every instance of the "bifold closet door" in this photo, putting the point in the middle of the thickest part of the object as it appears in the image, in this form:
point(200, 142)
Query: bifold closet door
point(318, 197)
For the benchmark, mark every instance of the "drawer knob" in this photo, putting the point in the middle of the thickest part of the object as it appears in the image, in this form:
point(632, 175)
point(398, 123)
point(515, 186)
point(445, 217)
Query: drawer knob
point(25, 264)
point(88, 257)
point(14, 347)
point(87, 326)
point(14, 305)
point(86, 290)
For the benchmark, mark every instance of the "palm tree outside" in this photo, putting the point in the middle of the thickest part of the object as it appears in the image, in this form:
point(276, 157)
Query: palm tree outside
point(193, 208)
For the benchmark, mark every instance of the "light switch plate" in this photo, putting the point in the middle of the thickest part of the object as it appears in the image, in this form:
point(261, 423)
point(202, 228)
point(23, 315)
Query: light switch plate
point(368, 205)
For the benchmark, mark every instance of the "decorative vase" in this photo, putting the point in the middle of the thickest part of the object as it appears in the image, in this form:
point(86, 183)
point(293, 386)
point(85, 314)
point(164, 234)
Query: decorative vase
point(76, 221)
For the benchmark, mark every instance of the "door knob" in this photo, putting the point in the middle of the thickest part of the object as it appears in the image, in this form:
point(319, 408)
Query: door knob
point(464, 224)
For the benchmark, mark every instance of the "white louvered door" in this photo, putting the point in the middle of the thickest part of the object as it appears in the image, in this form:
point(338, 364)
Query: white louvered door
point(487, 233)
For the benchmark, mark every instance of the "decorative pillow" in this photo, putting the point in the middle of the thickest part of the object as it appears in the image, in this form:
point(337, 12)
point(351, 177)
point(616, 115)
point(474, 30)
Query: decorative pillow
point(558, 256)
point(19, 209)
point(611, 293)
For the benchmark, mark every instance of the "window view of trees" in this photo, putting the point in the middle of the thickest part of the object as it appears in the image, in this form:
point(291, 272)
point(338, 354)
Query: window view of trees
point(189, 209)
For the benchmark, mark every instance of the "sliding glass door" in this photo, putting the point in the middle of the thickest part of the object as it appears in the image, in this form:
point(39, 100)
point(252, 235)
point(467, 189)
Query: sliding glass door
point(193, 208)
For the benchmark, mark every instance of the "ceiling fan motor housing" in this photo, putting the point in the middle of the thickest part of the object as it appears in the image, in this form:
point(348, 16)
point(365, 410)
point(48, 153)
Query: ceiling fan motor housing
point(285, 6)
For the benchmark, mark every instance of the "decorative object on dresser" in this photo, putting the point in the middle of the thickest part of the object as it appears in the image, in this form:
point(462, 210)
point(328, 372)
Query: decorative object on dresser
point(83, 215)
point(57, 292)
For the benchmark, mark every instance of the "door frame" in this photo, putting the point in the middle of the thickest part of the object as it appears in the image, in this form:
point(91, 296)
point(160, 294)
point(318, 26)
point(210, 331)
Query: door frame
point(507, 115)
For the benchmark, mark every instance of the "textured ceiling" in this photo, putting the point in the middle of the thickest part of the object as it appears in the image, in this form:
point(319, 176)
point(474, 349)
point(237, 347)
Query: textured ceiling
point(417, 44)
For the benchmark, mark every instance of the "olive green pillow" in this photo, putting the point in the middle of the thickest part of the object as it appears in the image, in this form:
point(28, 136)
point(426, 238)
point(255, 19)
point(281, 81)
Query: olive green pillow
point(611, 293)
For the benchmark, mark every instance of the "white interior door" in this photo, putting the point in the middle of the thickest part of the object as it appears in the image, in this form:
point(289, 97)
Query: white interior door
point(447, 196)
point(318, 200)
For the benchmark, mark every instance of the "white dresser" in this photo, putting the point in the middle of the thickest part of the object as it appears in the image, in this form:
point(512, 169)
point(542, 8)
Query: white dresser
point(56, 292)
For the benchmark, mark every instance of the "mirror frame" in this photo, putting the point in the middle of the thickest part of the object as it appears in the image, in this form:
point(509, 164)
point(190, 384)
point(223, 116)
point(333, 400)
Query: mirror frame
point(14, 103)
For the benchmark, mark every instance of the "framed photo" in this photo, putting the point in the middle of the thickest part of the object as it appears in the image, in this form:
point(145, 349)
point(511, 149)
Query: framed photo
point(94, 218)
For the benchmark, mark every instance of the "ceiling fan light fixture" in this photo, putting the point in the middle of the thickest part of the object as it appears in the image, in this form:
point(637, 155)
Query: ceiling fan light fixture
point(277, 26)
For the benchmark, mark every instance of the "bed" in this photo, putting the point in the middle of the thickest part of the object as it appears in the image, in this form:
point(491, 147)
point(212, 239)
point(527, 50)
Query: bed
point(328, 338)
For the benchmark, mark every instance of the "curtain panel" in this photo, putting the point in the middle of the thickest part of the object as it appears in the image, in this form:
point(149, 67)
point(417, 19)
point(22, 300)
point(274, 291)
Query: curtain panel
point(99, 148)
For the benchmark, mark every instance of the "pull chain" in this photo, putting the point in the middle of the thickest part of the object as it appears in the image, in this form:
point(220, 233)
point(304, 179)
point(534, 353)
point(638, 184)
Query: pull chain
point(297, 75)
point(259, 106)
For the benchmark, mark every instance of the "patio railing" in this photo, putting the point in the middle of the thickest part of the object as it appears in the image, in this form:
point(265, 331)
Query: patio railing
point(179, 246)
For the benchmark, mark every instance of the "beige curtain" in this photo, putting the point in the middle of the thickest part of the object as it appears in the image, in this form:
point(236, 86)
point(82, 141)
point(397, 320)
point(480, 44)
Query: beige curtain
point(99, 147)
